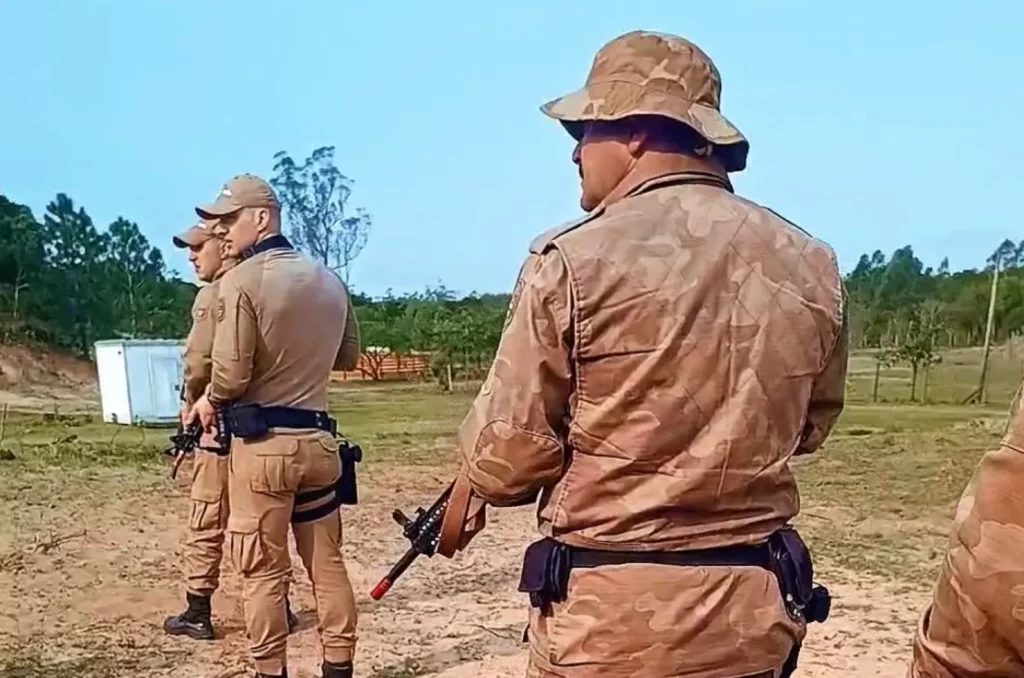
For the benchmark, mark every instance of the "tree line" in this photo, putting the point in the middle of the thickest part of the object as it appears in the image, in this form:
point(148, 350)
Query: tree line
point(66, 283)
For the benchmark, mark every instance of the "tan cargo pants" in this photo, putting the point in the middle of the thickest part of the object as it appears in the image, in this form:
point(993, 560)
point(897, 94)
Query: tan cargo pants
point(208, 519)
point(204, 545)
point(265, 476)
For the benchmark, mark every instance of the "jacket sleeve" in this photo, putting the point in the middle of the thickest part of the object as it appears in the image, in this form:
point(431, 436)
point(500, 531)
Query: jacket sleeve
point(234, 343)
point(828, 394)
point(199, 345)
point(512, 438)
point(348, 352)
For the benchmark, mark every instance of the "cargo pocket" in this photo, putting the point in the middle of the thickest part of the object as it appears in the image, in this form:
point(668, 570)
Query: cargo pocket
point(274, 465)
point(206, 515)
point(245, 544)
point(210, 478)
point(325, 464)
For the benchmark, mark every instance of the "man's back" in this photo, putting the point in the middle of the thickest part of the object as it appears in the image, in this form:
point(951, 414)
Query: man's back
point(706, 335)
point(301, 310)
point(703, 322)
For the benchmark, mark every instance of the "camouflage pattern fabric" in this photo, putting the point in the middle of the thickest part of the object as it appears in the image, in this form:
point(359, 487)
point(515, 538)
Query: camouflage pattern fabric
point(974, 626)
point(646, 73)
point(663, 360)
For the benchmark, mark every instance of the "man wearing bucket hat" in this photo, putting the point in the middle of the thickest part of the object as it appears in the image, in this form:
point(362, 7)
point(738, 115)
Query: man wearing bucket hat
point(284, 322)
point(204, 545)
point(662, 360)
point(973, 625)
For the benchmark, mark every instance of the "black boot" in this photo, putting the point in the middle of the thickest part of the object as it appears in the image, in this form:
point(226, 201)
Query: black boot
point(194, 622)
point(336, 670)
point(293, 621)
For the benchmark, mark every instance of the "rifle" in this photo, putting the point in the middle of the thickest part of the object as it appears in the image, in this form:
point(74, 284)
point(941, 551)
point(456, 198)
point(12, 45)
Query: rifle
point(423, 533)
point(182, 443)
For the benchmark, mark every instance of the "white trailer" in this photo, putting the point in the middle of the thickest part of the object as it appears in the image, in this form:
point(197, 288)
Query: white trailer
point(140, 380)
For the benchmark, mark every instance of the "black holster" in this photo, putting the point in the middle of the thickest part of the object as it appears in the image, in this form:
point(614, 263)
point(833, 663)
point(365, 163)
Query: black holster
point(346, 487)
point(791, 563)
point(546, 568)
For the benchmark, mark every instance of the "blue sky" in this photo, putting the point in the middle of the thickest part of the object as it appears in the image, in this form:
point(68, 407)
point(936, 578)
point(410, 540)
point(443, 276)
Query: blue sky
point(871, 127)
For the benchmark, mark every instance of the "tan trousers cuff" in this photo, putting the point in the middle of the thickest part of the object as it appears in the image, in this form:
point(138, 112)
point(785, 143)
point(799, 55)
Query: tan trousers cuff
point(270, 667)
point(338, 655)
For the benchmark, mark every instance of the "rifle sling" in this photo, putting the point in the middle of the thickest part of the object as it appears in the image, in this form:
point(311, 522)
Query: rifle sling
point(455, 517)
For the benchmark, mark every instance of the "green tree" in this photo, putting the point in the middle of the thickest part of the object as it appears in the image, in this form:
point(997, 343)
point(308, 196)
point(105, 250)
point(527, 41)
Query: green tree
point(919, 346)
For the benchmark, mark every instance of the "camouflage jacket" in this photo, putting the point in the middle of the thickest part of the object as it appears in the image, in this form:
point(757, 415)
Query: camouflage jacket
point(662, 360)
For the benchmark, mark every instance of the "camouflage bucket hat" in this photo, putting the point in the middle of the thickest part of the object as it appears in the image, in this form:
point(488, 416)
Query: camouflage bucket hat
point(646, 73)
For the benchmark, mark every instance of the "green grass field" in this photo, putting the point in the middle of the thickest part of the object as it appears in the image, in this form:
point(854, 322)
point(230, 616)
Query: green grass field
point(877, 500)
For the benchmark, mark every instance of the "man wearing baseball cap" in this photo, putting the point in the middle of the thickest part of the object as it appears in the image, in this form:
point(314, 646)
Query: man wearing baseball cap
point(663, 359)
point(204, 545)
point(284, 323)
point(243, 191)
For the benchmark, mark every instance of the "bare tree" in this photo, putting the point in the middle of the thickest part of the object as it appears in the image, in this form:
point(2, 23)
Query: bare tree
point(315, 196)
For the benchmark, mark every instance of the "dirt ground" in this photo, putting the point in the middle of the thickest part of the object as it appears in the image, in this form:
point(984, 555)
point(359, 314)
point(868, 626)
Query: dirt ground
point(100, 596)
point(33, 379)
point(90, 546)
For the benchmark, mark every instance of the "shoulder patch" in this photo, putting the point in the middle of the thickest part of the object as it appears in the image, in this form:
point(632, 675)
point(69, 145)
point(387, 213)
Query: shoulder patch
point(220, 309)
point(544, 240)
point(200, 312)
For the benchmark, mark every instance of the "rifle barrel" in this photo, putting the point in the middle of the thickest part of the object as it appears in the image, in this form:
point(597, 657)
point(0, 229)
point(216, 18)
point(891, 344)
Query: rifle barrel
point(389, 580)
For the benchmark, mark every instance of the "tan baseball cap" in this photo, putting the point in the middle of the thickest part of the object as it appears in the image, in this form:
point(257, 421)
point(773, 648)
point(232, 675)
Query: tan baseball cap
point(648, 73)
point(196, 235)
point(245, 190)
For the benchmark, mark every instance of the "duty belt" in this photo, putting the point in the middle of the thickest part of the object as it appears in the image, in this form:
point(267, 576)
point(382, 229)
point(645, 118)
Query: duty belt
point(293, 417)
point(548, 564)
point(251, 422)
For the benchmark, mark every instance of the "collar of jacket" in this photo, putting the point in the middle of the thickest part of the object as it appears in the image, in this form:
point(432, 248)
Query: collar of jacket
point(678, 178)
point(274, 242)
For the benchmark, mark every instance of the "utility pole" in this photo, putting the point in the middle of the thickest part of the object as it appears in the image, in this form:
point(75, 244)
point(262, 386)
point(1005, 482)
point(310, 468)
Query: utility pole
point(983, 383)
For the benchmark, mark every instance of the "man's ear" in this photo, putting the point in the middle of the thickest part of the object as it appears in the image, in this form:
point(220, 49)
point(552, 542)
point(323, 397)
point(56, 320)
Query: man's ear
point(262, 217)
point(638, 140)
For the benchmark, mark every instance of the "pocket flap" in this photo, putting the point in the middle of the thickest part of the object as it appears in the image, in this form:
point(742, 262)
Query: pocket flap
point(243, 524)
point(273, 446)
point(329, 443)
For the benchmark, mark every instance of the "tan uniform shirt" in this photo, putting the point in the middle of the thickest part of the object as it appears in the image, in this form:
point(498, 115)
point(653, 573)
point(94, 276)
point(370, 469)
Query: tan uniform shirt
point(284, 322)
point(662, 361)
point(199, 343)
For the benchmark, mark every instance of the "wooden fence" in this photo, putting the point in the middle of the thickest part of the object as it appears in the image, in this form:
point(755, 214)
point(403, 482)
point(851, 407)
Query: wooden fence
point(386, 365)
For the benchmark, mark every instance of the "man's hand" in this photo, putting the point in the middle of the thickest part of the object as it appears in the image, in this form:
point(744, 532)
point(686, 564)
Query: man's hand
point(206, 412)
